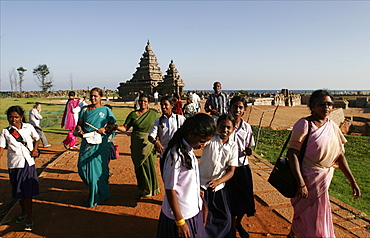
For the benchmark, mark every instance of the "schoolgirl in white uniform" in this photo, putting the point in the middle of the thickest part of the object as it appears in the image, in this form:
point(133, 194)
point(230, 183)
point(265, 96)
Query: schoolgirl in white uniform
point(240, 186)
point(181, 214)
point(217, 165)
point(21, 139)
point(165, 127)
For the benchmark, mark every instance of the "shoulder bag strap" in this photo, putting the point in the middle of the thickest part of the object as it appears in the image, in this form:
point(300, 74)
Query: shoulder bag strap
point(285, 145)
point(304, 144)
point(18, 137)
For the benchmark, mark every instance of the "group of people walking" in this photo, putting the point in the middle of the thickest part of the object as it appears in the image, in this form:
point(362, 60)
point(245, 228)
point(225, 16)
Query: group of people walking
point(202, 199)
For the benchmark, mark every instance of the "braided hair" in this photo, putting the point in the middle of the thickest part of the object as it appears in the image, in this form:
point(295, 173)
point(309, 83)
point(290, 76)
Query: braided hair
point(198, 125)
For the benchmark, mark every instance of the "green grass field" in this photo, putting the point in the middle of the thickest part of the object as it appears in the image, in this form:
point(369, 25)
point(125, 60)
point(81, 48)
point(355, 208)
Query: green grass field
point(357, 153)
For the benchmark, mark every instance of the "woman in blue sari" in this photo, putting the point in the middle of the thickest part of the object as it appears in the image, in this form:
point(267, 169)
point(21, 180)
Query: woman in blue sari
point(94, 150)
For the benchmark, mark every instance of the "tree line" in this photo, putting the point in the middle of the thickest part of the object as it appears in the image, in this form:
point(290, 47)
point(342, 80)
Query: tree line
point(44, 78)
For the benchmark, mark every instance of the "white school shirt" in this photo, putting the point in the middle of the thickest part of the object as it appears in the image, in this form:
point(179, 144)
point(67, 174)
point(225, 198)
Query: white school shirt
point(166, 129)
point(195, 100)
point(17, 152)
point(215, 160)
point(243, 136)
point(35, 117)
point(184, 181)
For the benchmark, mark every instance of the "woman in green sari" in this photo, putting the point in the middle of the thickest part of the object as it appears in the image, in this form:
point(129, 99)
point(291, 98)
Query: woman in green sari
point(142, 151)
point(94, 150)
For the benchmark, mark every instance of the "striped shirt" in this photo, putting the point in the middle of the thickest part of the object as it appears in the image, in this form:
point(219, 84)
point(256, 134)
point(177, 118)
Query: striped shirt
point(220, 102)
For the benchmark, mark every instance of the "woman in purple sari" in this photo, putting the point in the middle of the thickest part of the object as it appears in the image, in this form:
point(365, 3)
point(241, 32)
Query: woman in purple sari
point(325, 148)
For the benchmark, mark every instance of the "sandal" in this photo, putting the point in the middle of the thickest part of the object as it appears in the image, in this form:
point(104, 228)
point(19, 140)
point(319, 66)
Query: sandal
point(242, 232)
point(21, 219)
point(28, 226)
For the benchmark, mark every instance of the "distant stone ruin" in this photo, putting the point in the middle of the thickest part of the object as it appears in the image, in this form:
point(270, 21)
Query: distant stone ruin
point(285, 98)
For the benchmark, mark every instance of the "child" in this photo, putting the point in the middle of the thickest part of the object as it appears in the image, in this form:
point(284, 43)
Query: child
point(177, 109)
point(240, 186)
point(189, 108)
point(165, 127)
point(217, 165)
point(21, 139)
point(181, 214)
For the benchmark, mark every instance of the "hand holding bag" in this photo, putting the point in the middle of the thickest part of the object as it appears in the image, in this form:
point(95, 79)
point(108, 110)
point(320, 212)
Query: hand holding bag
point(281, 176)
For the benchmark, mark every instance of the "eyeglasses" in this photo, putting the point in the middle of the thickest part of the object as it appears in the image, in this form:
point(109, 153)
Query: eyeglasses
point(328, 104)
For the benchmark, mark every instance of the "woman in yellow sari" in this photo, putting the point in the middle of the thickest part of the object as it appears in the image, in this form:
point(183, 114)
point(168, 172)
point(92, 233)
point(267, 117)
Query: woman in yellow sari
point(142, 151)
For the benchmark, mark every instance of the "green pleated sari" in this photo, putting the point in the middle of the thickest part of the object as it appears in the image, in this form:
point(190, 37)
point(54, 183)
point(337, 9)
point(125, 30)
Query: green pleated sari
point(143, 152)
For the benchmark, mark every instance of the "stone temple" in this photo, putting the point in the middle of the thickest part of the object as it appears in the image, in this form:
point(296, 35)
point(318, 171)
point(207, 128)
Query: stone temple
point(148, 78)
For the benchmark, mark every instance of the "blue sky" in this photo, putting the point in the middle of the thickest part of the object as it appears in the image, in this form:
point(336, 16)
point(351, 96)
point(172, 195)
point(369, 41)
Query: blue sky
point(246, 45)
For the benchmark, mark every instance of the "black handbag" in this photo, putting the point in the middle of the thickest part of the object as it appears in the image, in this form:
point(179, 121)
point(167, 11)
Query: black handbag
point(281, 176)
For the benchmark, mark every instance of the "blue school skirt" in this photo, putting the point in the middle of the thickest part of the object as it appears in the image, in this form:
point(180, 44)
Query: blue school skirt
point(168, 229)
point(219, 215)
point(24, 182)
point(240, 190)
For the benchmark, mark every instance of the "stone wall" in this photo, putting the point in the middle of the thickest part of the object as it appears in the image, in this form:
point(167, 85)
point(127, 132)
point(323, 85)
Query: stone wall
point(362, 102)
point(51, 94)
point(341, 103)
point(337, 116)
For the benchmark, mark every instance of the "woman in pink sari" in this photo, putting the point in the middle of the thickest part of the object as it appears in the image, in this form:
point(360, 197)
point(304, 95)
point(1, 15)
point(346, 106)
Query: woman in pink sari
point(325, 147)
point(69, 120)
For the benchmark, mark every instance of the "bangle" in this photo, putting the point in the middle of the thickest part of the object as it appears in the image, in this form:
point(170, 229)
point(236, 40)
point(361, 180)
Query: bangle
point(304, 185)
point(180, 222)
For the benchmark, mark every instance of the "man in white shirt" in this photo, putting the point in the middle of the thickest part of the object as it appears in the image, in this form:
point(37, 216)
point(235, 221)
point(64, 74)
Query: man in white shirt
point(136, 101)
point(35, 118)
point(156, 95)
point(196, 100)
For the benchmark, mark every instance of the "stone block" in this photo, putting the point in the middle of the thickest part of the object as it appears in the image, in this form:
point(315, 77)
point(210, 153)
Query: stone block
point(334, 207)
point(286, 212)
point(273, 198)
point(264, 174)
point(337, 116)
point(257, 178)
point(347, 207)
point(262, 186)
point(344, 214)
point(336, 218)
point(348, 225)
point(340, 233)
point(362, 233)
point(361, 222)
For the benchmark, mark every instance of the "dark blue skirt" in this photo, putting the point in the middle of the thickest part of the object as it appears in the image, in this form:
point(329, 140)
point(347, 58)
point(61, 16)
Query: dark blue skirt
point(168, 229)
point(112, 151)
point(240, 190)
point(24, 182)
point(219, 215)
